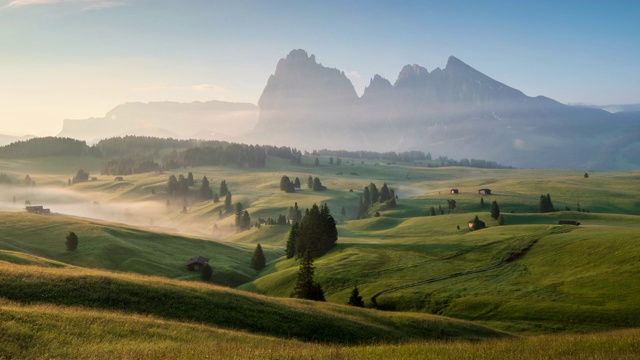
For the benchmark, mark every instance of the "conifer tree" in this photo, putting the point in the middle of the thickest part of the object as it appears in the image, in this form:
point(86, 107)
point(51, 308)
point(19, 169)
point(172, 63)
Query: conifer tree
point(306, 287)
point(374, 193)
point(432, 211)
point(227, 203)
point(290, 249)
point(385, 194)
point(205, 192)
point(71, 241)
point(482, 202)
point(223, 188)
point(258, 261)
point(355, 299)
point(310, 182)
point(239, 224)
point(495, 210)
point(284, 182)
point(296, 183)
point(190, 179)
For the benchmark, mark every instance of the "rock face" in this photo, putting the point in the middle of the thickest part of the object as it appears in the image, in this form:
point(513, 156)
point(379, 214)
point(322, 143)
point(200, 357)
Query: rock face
point(200, 120)
point(304, 89)
point(456, 111)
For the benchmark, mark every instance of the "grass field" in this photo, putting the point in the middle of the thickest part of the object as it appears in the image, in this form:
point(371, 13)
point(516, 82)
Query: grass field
point(571, 279)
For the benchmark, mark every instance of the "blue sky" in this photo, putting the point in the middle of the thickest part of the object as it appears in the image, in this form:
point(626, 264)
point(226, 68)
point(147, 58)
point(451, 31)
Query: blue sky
point(80, 58)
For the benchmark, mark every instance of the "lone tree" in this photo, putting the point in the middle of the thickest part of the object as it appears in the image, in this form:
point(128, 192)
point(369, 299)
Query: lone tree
point(207, 272)
point(355, 299)
point(290, 249)
point(451, 205)
point(258, 261)
point(306, 287)
point(586, 175)
point(495, 210)
point(72, 241)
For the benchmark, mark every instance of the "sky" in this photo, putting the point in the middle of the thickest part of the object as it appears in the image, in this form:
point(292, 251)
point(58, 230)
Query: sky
point(75, 59)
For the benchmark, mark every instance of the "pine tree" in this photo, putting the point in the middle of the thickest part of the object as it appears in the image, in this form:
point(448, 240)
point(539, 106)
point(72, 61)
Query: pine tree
point(306, 287)
point(343, 211)
point(316, 162)
point(296, 183)
point(310, 182)
point(290, 250)
point(228, 208)
point(495, 210)
point(258, 261)
point(355, 299)
point(223, 188)
point(374, 193)
point(190, 179)
point(432, 211)
point(501, 220)
point(385, 194)
point(205, 192)
point(239, 224)
point(482, 202)
point(71, 241)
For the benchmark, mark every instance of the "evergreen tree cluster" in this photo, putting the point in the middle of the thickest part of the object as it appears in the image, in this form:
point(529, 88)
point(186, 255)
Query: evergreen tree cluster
point(295, 214)
point(177, 186)
point(407, 156)
point(81, 176)
point(317, 185)
point(47, 146)
point(205, 192)
point(316, 233)
point(243, 220)
point(128, 166)
point(545, 205)
point(228, 154)
point(289, 186)
point(371, 196)
point(284, 152)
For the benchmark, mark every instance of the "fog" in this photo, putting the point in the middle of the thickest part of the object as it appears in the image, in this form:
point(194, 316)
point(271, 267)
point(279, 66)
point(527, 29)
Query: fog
point(88, 205)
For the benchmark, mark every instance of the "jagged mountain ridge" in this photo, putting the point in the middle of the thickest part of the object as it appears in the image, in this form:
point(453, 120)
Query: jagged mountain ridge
point(456, 111)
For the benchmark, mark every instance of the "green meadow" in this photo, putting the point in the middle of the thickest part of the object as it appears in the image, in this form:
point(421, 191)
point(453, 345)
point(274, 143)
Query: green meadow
point(529, 286)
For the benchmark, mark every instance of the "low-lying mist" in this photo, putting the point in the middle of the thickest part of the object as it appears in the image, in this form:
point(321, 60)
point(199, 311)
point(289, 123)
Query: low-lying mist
point(91, 205)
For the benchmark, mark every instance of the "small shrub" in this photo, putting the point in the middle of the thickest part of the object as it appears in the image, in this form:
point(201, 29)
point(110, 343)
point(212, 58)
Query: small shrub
point(71, 241)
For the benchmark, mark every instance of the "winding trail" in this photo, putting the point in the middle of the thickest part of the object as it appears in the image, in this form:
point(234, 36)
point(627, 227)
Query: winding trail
point(512, 257)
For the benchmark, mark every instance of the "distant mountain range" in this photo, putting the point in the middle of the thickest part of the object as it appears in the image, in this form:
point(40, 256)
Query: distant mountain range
point(8, 139)
point(210, 120)
point(456, 111)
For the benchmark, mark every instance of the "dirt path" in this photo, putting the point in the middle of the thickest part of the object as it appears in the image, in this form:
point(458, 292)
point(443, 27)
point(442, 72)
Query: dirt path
point(512, 257)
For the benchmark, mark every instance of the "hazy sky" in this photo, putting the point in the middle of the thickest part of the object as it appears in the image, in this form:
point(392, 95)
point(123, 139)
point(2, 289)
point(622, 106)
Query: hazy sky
point(80, 58)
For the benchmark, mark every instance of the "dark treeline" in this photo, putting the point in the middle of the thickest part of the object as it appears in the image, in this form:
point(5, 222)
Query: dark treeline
point(128, 166)
point(47, 146)
point(410, 156)
point(407, 156)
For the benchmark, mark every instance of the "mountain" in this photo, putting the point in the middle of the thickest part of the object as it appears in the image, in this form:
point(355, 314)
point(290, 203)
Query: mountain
point(201, 120)
point(456, 111)
point(8, 139)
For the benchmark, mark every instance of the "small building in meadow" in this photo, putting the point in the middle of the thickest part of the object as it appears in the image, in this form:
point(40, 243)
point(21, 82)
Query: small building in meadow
point(484, 191)
point(119, 178)
point(197, 263)
point(38, 209)
point(454, 191)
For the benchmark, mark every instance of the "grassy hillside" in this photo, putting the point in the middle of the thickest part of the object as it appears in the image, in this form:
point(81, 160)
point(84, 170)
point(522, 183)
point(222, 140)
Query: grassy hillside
point(48, 331)
point(123, 248)
point(223, 307)
point(572, 279)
